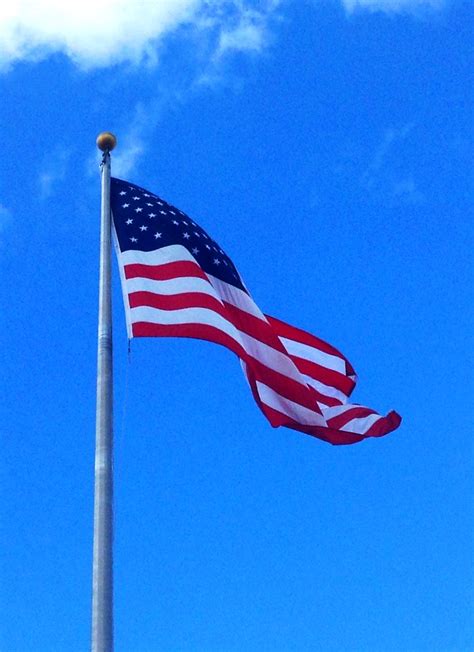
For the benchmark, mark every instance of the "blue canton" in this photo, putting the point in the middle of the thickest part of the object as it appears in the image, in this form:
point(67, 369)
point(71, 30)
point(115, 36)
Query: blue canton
point(145, 222)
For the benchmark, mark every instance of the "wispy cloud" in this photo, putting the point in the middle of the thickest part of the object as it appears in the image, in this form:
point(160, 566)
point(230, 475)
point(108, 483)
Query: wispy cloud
point(5, 218)
point(384, 176)
point(99, 33)
point(133, 142)
point(406, 191)
point(390, 138)
point(394, 6)
point(250, 31)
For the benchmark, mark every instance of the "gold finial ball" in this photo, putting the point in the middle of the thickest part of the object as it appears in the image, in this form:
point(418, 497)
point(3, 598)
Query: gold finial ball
point(106, 141)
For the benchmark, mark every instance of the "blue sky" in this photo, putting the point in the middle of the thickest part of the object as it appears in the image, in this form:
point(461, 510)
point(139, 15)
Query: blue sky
point(326, 146)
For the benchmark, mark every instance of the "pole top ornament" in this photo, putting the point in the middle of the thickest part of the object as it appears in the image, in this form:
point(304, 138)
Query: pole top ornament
point(106, 141)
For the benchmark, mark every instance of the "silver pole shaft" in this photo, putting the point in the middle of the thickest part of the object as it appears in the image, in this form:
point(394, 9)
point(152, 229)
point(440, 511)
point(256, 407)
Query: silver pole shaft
point(102, 580)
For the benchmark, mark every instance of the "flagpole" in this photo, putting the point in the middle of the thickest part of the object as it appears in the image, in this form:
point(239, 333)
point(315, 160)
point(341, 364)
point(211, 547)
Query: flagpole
point(102, 567)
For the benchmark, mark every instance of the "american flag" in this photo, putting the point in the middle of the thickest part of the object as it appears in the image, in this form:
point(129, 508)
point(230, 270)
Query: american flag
point(178, 282)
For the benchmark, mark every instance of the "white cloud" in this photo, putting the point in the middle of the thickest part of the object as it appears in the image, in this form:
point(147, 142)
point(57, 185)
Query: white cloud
point(95, 33)
point(99, 33)
point(394, 6)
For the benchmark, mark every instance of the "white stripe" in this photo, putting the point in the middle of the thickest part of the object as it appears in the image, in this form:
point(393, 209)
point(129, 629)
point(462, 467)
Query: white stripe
point(361, 424)
point(358, 425)
point(296, 412)
point(336, 410)
point(178, 285)
point(314, 355)
point(244, 369)
point(324, 389)
point(268, 356)
point(170, 254)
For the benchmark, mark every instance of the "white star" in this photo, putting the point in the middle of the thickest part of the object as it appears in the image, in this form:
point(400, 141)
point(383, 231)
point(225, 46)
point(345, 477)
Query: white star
point(205, 235)
point(225, 262)
point(196, 234)
point(157, 235)
point(151, 214)
point(129, 221)
point(172, 213)
point(195, 250)
point(125, 205)
point(145, 194)
point(123, 192)
point(216, 261)
point(149, 203)
point(163, 212)
point(135, 198)
point(143, 228)
point(186, 236)
point(176, 222)
point(160, 203)
point(134, 239)
point(138, 210)
point(183, 221)
point(207, 246)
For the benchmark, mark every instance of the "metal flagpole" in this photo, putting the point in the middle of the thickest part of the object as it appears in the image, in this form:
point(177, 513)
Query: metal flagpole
point(102, 570)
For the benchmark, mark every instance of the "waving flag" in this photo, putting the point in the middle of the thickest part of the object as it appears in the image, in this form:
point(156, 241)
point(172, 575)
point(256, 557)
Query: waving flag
point(178, 282)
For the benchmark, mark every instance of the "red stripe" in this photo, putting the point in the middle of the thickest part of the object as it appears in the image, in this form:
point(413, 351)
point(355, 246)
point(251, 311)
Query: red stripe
point(330, 435)
point(176, 301)
point(255, 327)
point(177, 269)
point(199, 331)
point(328, 401)
point(275, 417)
point(384, 425)
point(355, 412)
point(324, 375)
point(292, 333)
